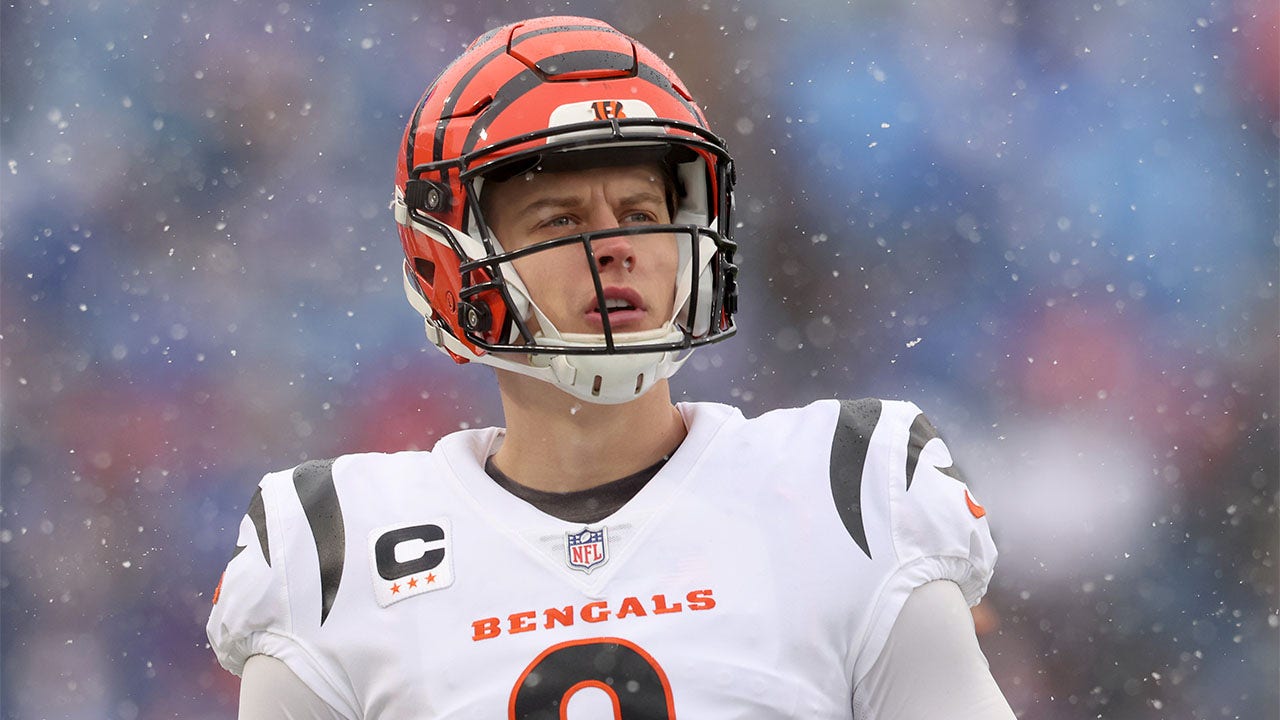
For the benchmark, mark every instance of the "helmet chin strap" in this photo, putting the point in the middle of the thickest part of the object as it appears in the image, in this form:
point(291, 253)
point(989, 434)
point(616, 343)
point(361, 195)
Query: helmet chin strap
point(614, 379)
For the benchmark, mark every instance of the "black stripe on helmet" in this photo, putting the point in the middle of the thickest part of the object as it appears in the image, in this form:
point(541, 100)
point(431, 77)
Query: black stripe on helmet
point(413, 131)
point(552, 66)
point(526, 81)
point(451, 104)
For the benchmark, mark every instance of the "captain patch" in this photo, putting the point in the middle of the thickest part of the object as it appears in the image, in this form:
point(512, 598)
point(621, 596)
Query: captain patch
point(409, 560)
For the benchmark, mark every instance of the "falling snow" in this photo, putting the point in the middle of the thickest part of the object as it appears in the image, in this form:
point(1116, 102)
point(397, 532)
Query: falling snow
point(1051, 225)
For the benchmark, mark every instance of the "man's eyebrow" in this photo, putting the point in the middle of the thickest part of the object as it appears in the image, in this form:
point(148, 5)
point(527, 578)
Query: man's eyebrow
point(553, 202)
point(559, 202)
point(642, 196)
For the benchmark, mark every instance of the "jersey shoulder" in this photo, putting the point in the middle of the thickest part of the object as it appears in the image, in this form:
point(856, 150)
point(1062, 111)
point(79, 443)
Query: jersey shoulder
point(907, 506)
point(293, 548)
point(888, 458)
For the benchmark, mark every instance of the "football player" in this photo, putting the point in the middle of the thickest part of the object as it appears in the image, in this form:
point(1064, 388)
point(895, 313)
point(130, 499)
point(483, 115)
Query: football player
point(565, 215)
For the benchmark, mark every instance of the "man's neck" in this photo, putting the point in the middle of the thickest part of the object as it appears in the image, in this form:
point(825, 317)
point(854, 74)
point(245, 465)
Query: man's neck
point(557, 443)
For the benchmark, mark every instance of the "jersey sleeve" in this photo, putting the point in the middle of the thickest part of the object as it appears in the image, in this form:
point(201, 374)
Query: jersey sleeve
point(931, 665)
point(933, 529)
point(269, 690)
point(266, 585)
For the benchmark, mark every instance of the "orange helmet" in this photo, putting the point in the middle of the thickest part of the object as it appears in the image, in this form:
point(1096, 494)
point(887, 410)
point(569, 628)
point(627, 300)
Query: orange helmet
point(523, 95)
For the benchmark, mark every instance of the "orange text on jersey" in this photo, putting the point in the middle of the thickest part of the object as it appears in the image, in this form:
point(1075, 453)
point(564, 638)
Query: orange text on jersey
point(592, 612)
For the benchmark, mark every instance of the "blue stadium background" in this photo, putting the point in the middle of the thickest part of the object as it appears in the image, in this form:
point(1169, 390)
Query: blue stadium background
point(1051, 224)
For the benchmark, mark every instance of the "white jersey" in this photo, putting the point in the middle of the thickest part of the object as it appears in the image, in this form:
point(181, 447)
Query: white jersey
point(757, 575)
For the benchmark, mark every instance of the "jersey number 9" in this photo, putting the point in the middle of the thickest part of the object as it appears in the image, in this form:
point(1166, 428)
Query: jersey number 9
point(629, 676)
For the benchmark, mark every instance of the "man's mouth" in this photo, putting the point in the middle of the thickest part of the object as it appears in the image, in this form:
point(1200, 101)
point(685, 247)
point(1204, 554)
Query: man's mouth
point(615, 304)
point(623, 306)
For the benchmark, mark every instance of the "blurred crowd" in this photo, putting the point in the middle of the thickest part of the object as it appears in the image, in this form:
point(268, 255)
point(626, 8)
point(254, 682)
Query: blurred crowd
point(1053, 225)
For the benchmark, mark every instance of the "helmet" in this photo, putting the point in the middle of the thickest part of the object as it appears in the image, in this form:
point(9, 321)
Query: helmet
point(531, 94)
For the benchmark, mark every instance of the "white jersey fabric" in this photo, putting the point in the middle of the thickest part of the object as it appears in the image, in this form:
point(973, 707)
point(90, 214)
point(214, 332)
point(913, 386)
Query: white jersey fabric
point(930, 667)
point(757, 575)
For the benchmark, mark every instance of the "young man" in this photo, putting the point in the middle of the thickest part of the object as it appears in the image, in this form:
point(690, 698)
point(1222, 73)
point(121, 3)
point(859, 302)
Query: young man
point(565, 216)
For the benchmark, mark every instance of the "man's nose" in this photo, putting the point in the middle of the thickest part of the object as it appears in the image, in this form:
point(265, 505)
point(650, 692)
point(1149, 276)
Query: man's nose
point(615, 251)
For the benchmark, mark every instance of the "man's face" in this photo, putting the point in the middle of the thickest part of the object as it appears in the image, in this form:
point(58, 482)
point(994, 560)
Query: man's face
point(637, 271)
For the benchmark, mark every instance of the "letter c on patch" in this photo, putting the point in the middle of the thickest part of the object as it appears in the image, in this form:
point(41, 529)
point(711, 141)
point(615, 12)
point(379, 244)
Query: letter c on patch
point(384, 551)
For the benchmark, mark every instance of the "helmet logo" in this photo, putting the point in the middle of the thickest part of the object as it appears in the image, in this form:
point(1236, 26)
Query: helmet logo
point(607, 109)
point(597, 110)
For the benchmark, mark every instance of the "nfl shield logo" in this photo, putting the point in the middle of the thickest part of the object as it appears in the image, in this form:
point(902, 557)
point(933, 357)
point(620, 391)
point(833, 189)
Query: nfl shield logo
point(586, 549)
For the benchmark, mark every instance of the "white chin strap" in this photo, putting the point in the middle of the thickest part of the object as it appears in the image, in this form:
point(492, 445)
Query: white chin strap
point(610, 379)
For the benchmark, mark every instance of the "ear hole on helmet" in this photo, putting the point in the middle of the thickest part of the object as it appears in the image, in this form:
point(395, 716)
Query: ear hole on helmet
point(639, 382)
point(426, 270)
point(595, 386)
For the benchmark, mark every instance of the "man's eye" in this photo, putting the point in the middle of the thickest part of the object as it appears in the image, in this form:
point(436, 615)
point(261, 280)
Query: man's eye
point(639, 216)
point(561, 221)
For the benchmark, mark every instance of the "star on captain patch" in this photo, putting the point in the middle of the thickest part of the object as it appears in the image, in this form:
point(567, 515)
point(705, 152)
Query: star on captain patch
point(587, 549)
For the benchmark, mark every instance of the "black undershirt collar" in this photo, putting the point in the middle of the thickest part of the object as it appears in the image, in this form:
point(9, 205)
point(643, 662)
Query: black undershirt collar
point(578, 506)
